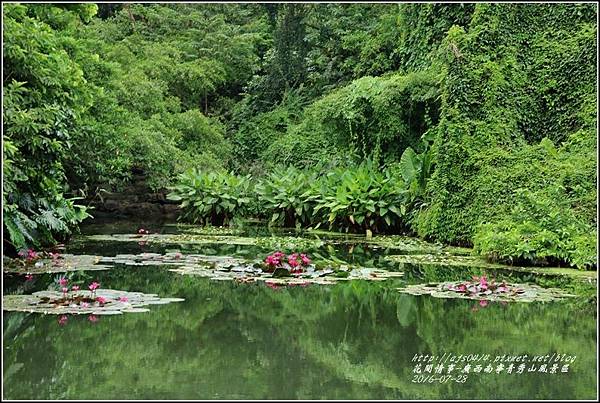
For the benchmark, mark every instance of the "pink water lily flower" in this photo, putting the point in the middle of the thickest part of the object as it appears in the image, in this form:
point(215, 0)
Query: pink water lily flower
point(63, 281)
point(75, 288)
point(31, 254)
point(273, 261)
point(305, 259)
point(94, 286)
point(101, 300)
point(65, 290)
point(63, 320)
point(292, 261)
point(84, 305)
point(28, 277)
point(123, 299)
point(483, 303)
point(93, 318)
point(178, 255)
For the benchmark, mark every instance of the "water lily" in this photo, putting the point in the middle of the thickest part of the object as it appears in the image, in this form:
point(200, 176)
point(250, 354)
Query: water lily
point(93, 286)
point(85, 305)
point(123, 299)
point(75, 288)
point(65, 290)
point(274, 260)
point(305, 259)
point(483, 303)
point(63, 320)
point(101, 300)
point(177, 255)
point(292, 261)
point(63, 281)
point(28, 277)
point(31, 254)
point(39, 264)
point(141, 231)
point(93, 318)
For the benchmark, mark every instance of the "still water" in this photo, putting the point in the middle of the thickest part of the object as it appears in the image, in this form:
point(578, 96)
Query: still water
point(353, 340)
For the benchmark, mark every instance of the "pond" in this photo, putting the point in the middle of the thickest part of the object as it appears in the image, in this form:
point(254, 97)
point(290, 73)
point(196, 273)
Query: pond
point(354, 339)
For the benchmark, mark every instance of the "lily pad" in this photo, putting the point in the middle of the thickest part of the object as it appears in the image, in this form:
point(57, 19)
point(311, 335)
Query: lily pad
point(445, 259)
point(65, 263)
point(518, 293)
point(83, 302)
point(171, 239)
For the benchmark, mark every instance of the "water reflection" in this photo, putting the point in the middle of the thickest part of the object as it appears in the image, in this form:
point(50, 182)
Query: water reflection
point(354, 340)
point(228, 341)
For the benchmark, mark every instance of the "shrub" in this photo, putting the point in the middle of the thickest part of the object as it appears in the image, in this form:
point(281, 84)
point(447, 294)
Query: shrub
point(539, 230)
point(212, 198)
point(280, 196)
point(375, 117)
point(358, 199)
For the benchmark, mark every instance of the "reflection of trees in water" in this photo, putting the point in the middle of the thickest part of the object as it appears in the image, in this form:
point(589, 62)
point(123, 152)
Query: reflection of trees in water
point(352, 340)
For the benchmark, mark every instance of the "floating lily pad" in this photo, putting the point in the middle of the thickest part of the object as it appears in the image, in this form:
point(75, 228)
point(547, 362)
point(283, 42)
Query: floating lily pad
point(288, 243)
point(205, 230)
point(83, 302)
point(445, 259)
point(247, 273)
point(65, 263)
point(518, 292)
point(171, 239)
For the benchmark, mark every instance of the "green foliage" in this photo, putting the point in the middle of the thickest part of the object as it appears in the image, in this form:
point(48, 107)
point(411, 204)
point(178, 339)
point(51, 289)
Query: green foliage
point(508, 97)
point(349, 41)
point(358, 199)
point(280, 194)
point(212, 198)
point(539, 228)
point(422, 27)
point(351, 199)
point(375, 117)
point(256, 144)
point(45, 98)
point(483, 115)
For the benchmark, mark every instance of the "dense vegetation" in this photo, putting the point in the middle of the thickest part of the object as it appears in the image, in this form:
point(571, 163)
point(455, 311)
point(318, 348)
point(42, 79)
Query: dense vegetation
point(471, 124)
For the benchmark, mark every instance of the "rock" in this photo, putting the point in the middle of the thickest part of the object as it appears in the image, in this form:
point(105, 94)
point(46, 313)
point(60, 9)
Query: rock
point(111, 205)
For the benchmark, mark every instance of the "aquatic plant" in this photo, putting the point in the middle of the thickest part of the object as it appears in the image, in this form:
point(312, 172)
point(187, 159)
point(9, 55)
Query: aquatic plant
point(93, 286)
point(293, 263)
point(111, 302)
point(481, 289)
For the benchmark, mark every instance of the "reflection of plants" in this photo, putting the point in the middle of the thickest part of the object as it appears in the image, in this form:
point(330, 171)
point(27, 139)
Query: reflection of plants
point(242, 330)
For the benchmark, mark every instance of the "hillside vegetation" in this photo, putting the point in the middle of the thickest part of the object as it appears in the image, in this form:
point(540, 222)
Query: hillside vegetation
point(469, 124)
